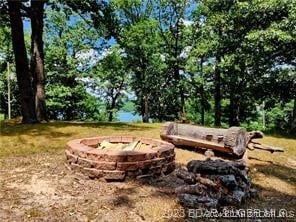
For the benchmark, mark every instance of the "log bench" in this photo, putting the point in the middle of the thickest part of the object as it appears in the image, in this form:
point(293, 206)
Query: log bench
point(231, 141)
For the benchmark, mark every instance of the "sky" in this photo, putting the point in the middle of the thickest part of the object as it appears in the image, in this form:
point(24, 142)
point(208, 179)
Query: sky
point(27, 25)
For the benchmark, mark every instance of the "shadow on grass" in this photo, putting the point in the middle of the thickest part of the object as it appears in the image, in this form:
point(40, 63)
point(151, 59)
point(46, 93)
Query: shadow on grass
point(280, 136)
point(112, 125)
point(14, 129)
point(281, 172)
point(271, 199)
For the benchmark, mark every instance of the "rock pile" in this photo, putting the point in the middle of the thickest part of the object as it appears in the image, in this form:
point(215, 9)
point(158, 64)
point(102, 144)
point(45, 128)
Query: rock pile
point(213, 183)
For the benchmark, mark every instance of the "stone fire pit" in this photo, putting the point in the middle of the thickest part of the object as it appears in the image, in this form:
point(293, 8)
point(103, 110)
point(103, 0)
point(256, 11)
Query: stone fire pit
point(148, 157)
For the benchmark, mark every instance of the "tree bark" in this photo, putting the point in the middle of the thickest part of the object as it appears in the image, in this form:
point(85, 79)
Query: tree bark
point(293, 125)
point(180, 90)
point(143, 94)
point(145, 106)
point(202, 96)
point(202, 111)
point(230, 141)
point(176, 70)
point(21, 63)
point(182, 102)
point(110, 117)
point(37, 58)
point(217, 94)
point(234, 111)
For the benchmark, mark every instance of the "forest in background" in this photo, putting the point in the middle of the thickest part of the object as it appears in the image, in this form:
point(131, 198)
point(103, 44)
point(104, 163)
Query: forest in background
point(216, 63)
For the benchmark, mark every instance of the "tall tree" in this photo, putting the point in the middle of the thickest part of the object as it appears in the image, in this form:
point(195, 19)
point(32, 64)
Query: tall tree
point(111, 78)
point(211, 16)
point(172, 16)
point(239, 62)
point(35, 12)
point(138, 38)
point(67, 47)
point(153, 34)
point(21, 62)
point(139, 41)
point(37, 58)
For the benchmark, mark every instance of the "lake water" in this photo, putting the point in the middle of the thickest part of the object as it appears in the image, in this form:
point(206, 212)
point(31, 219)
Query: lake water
point(128, 117)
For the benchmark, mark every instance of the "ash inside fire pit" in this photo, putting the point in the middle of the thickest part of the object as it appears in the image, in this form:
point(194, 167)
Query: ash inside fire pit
point(120, 157)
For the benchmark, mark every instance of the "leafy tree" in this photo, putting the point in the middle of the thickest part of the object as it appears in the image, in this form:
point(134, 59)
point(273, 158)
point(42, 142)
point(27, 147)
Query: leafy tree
point(14, 93)
point(274, 44)
point(21, 62)
point(5, 58)
point(140, 44)
point(199, 84)
point(36, 12)
point(215, 61)
point(153, 36)
point(176, 39)
point(66, 42)
point(98, 14)
point(110, 79)
point(233, 24)
point(138, 37)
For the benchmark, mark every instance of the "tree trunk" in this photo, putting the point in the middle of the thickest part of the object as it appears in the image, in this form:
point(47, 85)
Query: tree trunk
point(182, 102)
point(176, 69)
point(231, 141)
point(37, 58)
point(21, 63)
point(69, 114)
point(180, 90)
point(202, 111)
point(145, 107)
point(234, 111)
point(202, 96)
point(110, 118)
point(217, 94)
point(293, 125)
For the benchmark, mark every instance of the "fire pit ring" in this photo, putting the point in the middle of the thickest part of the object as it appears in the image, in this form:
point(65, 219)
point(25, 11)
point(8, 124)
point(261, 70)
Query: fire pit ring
point(83, 156)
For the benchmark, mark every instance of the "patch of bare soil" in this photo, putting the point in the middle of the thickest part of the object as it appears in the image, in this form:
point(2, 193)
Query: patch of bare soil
point(41, 188)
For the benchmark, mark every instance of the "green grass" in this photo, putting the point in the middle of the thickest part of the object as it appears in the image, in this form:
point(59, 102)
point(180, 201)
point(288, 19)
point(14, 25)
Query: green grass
point(1, 116)
point(20, 139)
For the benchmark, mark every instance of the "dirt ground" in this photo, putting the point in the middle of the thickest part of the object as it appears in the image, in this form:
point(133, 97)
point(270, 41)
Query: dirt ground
point(41, 188)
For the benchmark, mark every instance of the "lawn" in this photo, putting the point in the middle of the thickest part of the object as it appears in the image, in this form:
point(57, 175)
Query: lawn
point(36, 186)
